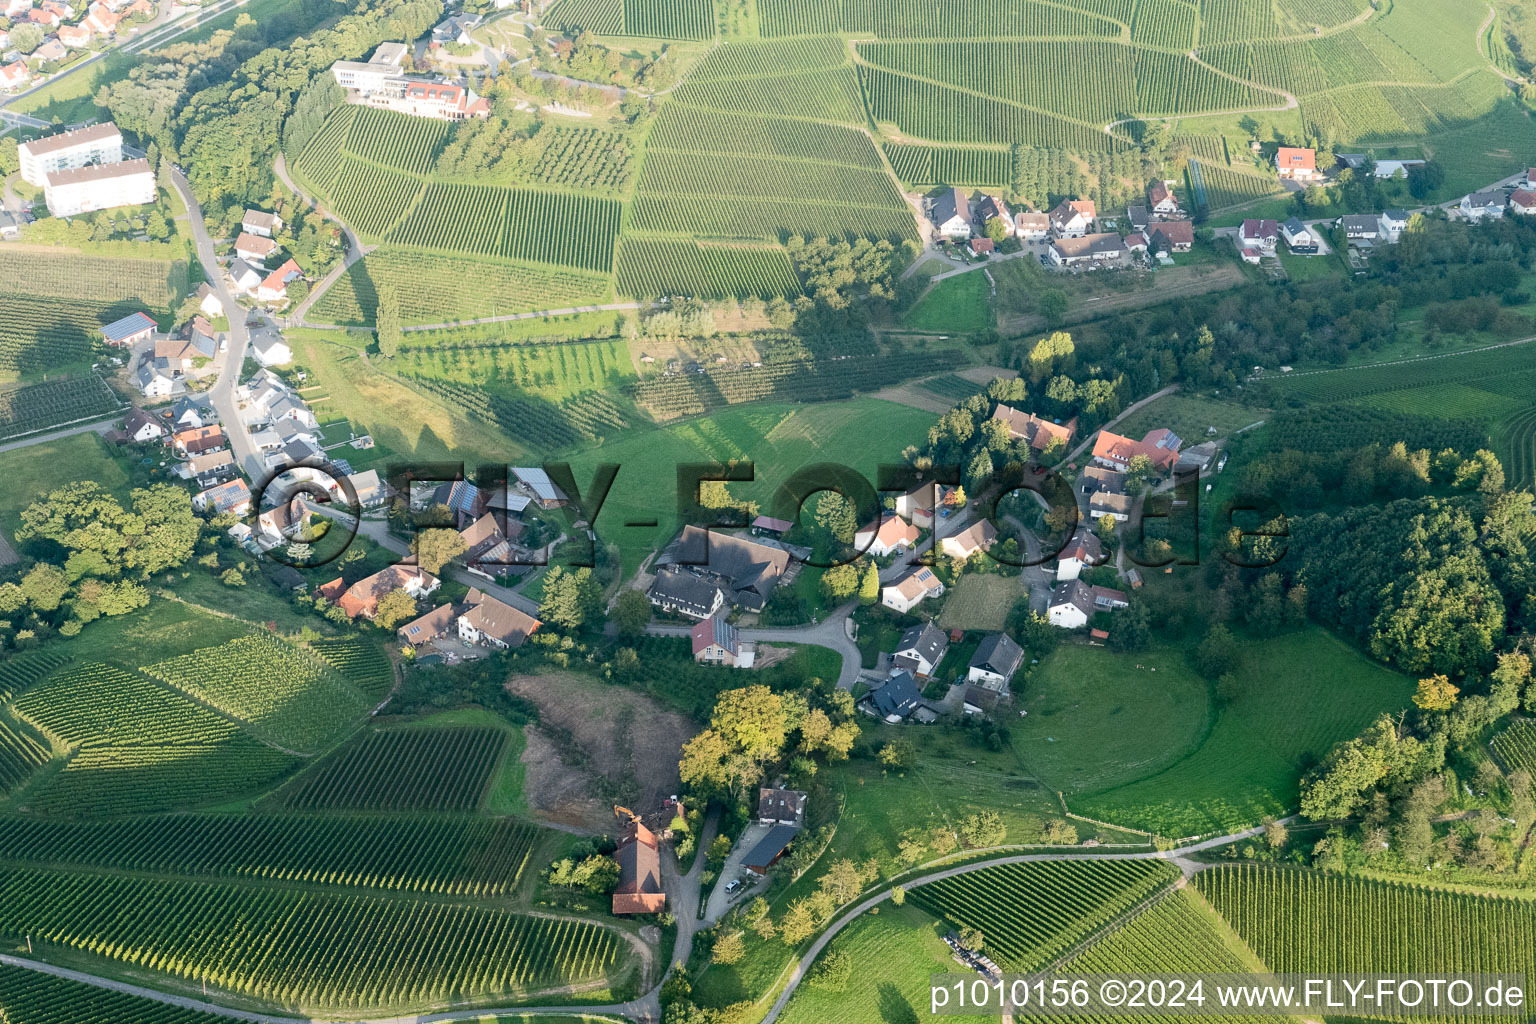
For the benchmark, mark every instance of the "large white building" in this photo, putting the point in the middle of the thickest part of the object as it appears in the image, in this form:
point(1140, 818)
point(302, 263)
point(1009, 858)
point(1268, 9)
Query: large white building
point(100, 187)
point(98, 144)
point(380, 83)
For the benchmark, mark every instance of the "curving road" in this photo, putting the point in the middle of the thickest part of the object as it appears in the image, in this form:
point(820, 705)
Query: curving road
point(849, 916)
point(830, 632)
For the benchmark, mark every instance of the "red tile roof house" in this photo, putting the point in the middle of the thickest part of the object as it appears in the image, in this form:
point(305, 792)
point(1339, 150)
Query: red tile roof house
point(639, 889)
point(14, 75)
point(981, 245)
point(1175, 236)
point(889, 536)
point(1297, 164)
point(362, 598)
point(76, 37)
point(1161, 200)
point(1116, 452)
point(1039, 433)
point(1523, 201)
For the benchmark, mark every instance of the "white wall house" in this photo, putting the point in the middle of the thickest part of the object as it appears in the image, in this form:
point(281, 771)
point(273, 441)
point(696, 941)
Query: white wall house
point(98, 144)
point(83, 189)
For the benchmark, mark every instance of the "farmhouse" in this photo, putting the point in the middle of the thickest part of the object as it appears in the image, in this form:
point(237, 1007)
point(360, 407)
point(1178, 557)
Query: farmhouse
point(1297, 164)
point(99, 187)
point(1258, 234)
point(717, 642)
point(1031, 225)
point(264, 225)
point(129, 331)
point(254, 249)
point(430, 626)
point(272, 350)
point(1161, 200)
point(920, 650)
point(979, 536)
point(1115, 452)
point(917, 505)
point(911, 589)
point(494, 623)
point(749, 570)
point(990, 207)
point(1299, 237)
point(1172, 236)
point(996, 659)
point(952, 214)
point(639, 858)
point(153, 381)
point(1071, 250)
point(1116, 506)
point(886, 536)
point(1488, 205)
point(1523, 202)
point(275, 287)
point(487, 545)
point(362, 598)
point(1074, 602)
point(1084, 551)
point(233, 497)
point(1038, 433)
point(767, 852)
point(1095, 478)
point(780, 807)
point(244, 277)
point(14, 75)
point(98, 144)
point(76, 37)
point(897, 699)
point(1360, 226)
point(198, 440)
point(1073, 218)
point(537, 485)
point(139, 427)
point(680, 592)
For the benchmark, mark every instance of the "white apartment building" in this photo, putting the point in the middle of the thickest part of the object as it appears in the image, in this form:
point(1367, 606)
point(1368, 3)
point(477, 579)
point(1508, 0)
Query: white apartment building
point(377, 73)
point(83, 189)
point(98, 144)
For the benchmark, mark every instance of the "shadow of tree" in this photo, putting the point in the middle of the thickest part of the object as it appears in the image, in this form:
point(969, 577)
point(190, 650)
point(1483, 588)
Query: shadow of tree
point(893, 1006)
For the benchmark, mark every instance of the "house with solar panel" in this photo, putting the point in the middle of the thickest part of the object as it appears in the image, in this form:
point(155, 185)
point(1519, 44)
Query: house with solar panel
point(129, 331)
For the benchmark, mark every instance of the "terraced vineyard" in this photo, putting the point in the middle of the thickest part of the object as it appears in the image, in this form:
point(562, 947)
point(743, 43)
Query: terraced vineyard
point(655, 19)
point(360, 661)
point(27, 997)
point(157, 283)
point(454, 856)
point(1516, 745)
point(1311, 922)
point(649, 268)
point(138, 746)
point(46, 333)
point(1031, 913)
point(283, 693)
point(20, 755)
point(319, 951)
point(690, 394)
point(400, 141)
point(418, 769)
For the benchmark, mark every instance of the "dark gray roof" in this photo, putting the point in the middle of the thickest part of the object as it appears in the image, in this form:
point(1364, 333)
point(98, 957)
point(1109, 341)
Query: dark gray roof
point(1361, 222)
point(899, 696)
point(952, 203)
point(998, 653)
point(1295, 226)
point(771, 846)
point(925, 639)
point(684, 590)
point(1074, 592)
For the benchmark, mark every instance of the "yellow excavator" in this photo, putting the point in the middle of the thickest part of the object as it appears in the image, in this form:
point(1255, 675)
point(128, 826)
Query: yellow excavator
point(626, 813)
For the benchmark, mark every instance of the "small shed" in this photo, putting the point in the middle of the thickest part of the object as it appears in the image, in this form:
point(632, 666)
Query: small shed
point(767, 852)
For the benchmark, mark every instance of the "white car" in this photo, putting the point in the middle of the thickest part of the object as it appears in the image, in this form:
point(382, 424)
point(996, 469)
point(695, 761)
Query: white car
point(732, 886)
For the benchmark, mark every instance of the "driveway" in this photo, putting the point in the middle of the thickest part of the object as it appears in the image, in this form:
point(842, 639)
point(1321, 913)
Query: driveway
point(719, 902)
point(831, 632)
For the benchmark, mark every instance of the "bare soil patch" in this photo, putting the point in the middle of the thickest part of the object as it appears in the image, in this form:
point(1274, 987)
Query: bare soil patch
point(914, 396)
point(597, 745)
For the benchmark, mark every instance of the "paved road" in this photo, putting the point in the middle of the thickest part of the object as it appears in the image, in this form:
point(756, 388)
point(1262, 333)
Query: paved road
point(100, 426)
point(830, 632)
point(232, 358)
point(1178, 856)
point(356, 250)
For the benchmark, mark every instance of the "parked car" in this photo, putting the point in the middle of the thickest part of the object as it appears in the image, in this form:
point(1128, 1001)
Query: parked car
point(732, 887)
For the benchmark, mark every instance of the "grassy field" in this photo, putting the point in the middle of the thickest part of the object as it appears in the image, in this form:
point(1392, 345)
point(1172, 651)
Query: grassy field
point(1299, 694)
point(778, 439)
point(36, 469)
point(955, 305)
point(893, 953)
point(980, 602)
point(1190, 417)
